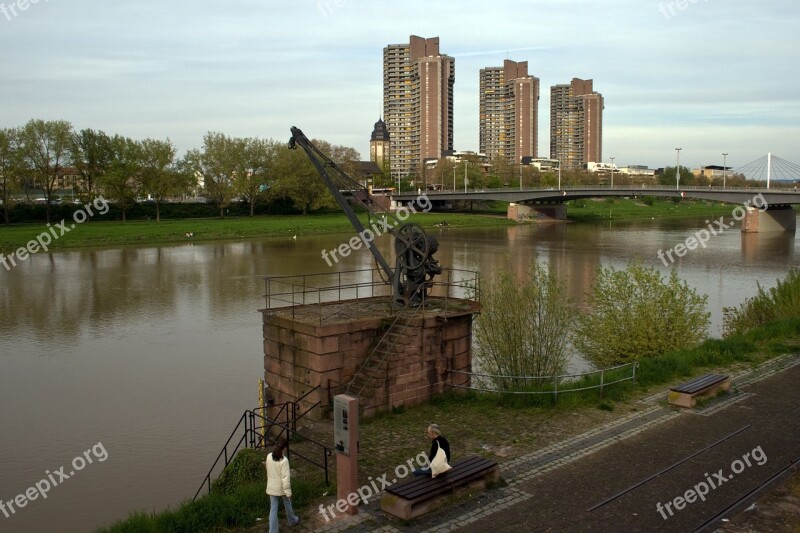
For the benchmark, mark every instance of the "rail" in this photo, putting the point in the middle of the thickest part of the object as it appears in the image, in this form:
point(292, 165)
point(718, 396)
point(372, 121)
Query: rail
point(290, 293)
point(254, 429)
point(618, 374)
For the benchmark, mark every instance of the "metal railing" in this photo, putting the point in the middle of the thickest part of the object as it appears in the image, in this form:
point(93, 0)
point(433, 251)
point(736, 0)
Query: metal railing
point(291, 293)
point(541, 382)
point(256, 429)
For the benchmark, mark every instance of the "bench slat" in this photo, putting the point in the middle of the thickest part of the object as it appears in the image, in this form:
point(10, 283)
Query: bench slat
point(425, 486)
point(700, 383)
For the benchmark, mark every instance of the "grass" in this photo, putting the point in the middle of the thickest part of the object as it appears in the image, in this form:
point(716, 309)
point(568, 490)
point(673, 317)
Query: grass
point(100, 233)
point(593, 210)
point(113, 233)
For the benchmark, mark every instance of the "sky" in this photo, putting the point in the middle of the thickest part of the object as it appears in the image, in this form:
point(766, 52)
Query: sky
point(708, 76)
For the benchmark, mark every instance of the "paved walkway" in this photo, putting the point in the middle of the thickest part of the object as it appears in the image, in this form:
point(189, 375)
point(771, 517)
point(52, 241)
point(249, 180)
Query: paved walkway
point(605, 479)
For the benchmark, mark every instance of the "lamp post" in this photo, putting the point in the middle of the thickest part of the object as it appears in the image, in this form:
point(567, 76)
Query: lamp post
point(454, 177)
point(559, 174)
point(678, 169)
point(466, 163)
point(724, 168)
point(520, 175)
point(612, 172)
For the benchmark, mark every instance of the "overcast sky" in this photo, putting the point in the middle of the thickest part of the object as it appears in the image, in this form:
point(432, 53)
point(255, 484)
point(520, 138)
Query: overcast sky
point(711, 76)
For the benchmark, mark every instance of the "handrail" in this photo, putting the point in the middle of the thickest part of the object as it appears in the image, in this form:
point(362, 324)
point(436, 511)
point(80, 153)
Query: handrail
point(555, 380)
point(224, 451)
point(252, 438)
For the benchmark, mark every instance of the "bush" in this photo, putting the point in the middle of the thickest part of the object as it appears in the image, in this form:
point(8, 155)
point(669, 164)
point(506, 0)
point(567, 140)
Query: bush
point(524, 326)
point(778, 303)
point(636, 314)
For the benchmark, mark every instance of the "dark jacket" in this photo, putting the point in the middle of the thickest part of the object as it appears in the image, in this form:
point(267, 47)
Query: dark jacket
point(443, 444)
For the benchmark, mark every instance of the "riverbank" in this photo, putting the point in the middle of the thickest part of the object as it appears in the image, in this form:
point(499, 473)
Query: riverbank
point(101, 233)
point(479, 424)
point(108, 233)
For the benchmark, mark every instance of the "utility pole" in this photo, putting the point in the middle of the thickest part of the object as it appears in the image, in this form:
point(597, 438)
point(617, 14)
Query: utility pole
point(724, 168)
point(678, 169)
point(612, 172)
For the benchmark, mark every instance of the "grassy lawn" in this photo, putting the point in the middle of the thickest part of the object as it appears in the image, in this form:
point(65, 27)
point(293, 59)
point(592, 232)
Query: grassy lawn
point(114, 233)
point(107, 233)
point(619, 209)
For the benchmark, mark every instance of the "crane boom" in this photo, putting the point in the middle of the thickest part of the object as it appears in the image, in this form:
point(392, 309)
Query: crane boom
point(415, 266)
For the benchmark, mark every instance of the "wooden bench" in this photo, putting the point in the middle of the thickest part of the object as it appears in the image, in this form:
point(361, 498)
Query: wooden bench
point(414, 497)
point(687, 394)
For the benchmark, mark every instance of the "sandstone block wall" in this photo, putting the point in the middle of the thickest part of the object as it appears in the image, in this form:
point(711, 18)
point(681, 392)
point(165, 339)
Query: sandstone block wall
point(299, 357)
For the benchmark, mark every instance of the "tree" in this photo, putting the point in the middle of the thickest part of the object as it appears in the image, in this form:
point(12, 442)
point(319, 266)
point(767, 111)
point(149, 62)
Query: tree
point(218, 164)
point(160, 177)
point(10, 169)
point(524, 326)
point(259, 156)
point(92, 154)
point(298, 180)
point(505, 171)
point(668, 177)
point(47, 147)
point(122, 182)
point(635, 313)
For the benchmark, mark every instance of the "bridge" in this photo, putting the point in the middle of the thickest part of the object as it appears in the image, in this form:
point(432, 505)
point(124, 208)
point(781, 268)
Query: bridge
point(773, 204)
point(733, 195)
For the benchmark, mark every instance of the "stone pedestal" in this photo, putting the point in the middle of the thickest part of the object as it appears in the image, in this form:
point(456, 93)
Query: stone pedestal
point(320, 348)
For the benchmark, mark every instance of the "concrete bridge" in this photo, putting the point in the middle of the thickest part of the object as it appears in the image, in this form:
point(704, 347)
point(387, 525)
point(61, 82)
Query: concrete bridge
point(765, 209)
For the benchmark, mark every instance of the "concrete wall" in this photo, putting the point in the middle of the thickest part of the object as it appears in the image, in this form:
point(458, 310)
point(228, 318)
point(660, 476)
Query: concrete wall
point(299, 357)
point(543, 212)
point(773, 219)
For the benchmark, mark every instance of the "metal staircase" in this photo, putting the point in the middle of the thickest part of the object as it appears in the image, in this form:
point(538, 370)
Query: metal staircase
point(370, 379)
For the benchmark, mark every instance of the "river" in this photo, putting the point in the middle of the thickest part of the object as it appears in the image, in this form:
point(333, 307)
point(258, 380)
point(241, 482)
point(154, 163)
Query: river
point(140, 360)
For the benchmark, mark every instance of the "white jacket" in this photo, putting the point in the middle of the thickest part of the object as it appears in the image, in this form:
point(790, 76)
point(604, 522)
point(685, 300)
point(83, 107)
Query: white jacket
point(278, 481)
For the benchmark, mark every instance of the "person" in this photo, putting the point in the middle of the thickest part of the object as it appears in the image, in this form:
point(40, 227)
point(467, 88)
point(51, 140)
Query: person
point(437, 441)
point(279, 485)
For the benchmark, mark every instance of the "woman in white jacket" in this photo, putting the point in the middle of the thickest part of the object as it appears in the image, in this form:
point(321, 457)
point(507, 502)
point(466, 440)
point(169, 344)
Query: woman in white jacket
point(279, 485)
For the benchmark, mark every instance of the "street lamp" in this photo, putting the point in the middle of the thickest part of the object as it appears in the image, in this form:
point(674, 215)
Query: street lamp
point(559, 174)
point(678, 169)
point(724, 168)
point(466, 163)
point(612, 172)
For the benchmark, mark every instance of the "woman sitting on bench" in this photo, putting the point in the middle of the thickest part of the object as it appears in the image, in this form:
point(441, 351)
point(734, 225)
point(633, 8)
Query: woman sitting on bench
point(437, 442)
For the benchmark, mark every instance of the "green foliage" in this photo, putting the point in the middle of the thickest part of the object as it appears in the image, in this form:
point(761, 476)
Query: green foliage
point(648, 200)
point(247, 467)
point(778, 303)
point(635, 314)
point(524, 326)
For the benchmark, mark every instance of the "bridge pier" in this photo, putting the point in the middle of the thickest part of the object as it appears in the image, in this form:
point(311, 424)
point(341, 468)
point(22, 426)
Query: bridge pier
point(541, 212)
point(778, 218)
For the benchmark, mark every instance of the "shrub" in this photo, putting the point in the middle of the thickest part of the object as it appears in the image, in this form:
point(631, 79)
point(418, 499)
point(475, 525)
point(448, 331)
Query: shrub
point(634, 313)
point(778, 303)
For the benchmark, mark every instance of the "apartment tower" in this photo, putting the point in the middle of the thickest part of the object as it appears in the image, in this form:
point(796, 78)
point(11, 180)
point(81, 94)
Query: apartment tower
point(417, 103)
point(576, 124)
point(509, 112)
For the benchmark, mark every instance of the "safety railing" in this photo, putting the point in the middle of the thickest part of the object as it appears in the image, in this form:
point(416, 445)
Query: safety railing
point(554, 385)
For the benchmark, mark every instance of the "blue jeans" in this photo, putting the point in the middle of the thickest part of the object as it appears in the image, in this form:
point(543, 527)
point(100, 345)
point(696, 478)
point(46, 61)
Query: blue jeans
point(273, 512)
point(420, 472)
